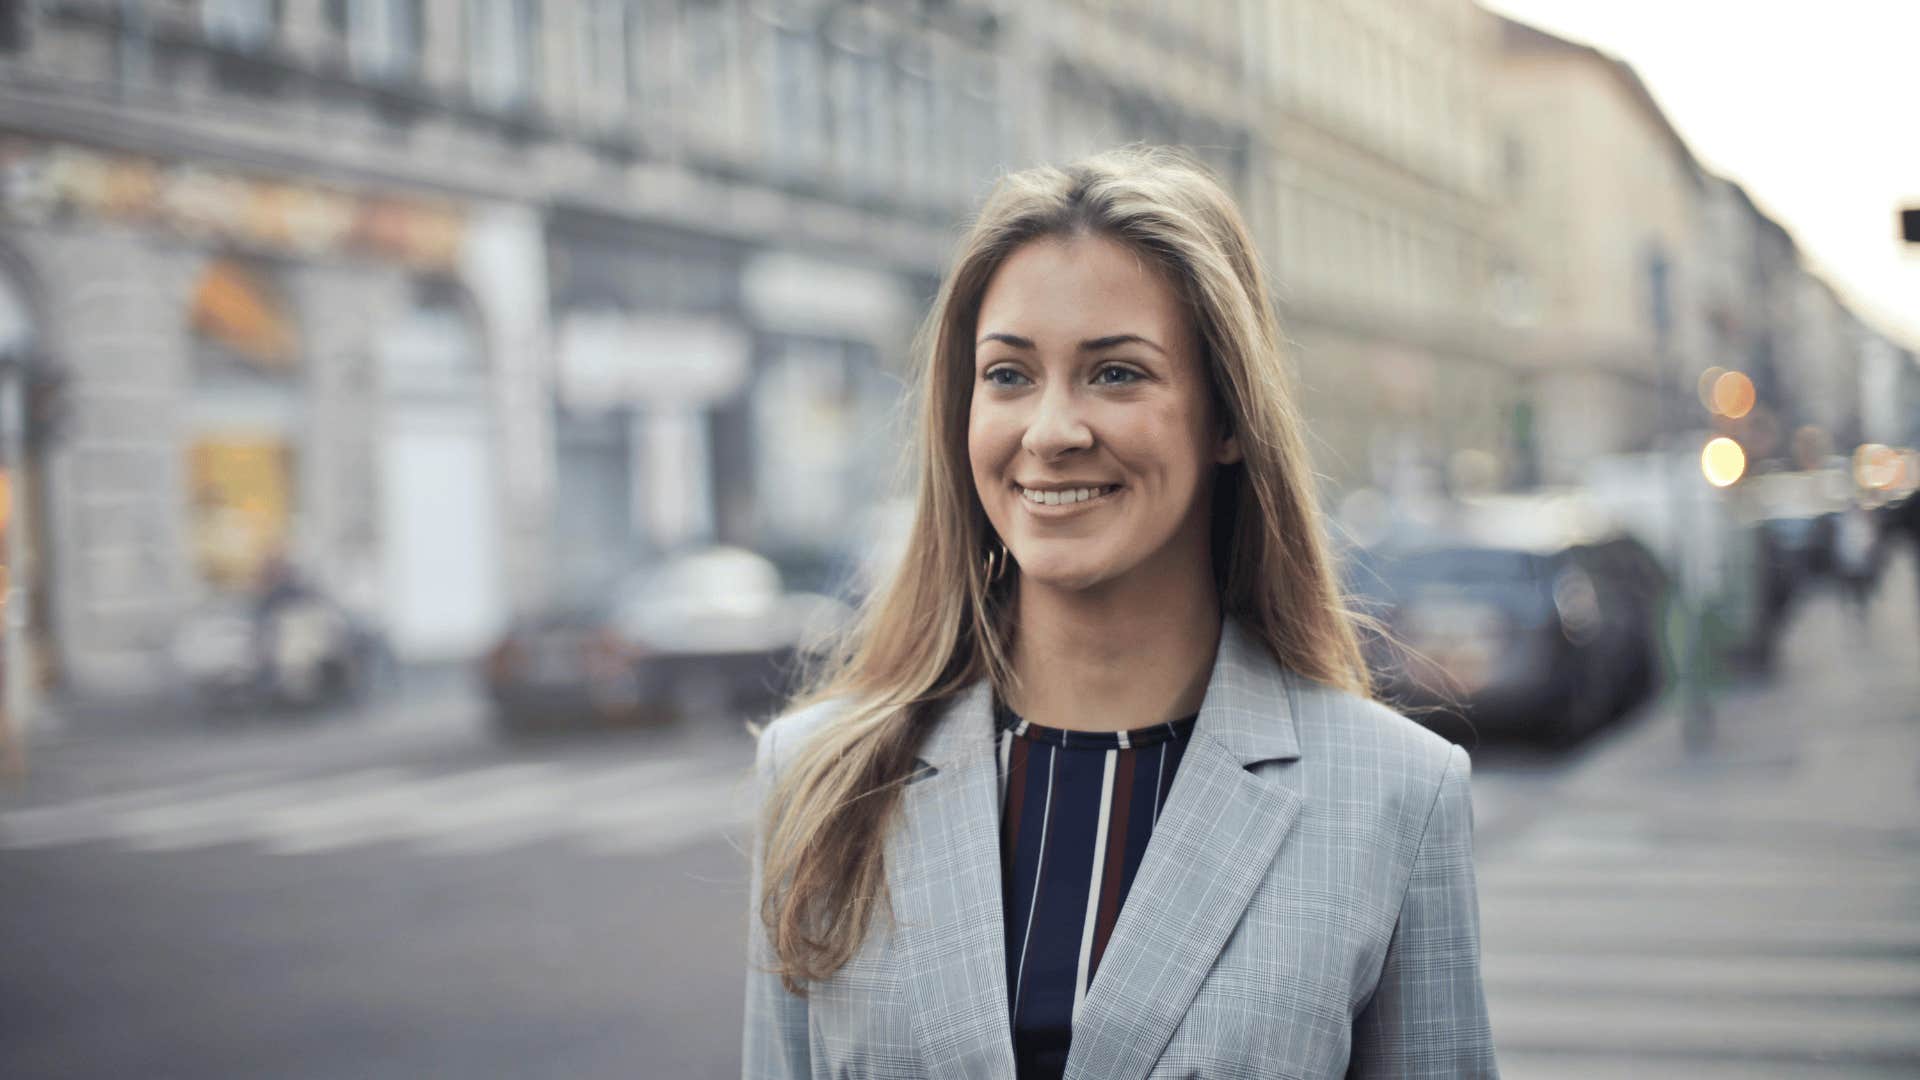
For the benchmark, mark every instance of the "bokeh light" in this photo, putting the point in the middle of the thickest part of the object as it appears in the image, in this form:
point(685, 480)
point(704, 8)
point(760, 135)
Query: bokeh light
point(1733, 395)
point(1704, 386)
point(1722, 461)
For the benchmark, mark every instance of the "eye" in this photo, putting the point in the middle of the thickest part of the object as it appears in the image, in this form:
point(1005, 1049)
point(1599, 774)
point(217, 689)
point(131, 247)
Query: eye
point(1132, 376)
point(992, 376)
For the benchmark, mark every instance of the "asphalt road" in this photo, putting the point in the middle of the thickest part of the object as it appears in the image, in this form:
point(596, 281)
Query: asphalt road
point(399, 895)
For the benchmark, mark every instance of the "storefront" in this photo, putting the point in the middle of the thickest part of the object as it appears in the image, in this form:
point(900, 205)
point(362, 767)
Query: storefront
point(649, 356)
point(829, 408)
point(708, 391)
point(263, 368)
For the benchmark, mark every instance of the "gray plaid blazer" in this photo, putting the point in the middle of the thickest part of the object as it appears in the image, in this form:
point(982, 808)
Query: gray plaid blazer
point(1305, 908)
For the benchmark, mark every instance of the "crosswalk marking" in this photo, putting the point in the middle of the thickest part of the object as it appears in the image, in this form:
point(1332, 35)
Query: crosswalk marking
point(1624, 945)
point(618, 809)
point(231, 817)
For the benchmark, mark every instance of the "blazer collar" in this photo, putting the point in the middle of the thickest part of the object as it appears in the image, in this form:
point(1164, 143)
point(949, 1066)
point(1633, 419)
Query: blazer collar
point(1220, 829)
point(1247, 709)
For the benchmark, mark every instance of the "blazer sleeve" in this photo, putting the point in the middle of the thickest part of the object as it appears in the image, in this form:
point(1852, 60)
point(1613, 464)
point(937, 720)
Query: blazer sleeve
point(1428, 1014)
point(774, 1042)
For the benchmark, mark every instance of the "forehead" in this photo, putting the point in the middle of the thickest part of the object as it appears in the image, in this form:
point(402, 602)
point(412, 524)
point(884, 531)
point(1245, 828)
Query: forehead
point(1058, 291)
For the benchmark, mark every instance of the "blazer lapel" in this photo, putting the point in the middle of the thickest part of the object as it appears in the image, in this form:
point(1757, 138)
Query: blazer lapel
point(943, 869)
point(1218, 833)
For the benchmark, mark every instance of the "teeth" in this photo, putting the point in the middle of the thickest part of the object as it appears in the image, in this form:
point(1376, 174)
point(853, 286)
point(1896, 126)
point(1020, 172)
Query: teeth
point(1055, 498)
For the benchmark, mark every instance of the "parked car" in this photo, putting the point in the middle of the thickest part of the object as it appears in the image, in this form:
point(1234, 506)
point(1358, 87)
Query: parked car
point(1485, 640)
point(711, 630)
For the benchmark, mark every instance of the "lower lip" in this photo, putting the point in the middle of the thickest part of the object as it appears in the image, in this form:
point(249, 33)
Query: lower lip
point(1061, 510)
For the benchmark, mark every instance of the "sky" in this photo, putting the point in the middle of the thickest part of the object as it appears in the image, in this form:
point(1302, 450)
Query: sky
point(1813, 107)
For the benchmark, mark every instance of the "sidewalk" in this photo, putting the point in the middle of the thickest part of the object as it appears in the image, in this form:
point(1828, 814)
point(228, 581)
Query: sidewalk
point(1832, 736)
point(86, 746)
point(1750, 908)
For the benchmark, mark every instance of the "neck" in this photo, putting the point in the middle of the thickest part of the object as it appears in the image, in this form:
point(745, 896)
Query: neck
point(1128, 655)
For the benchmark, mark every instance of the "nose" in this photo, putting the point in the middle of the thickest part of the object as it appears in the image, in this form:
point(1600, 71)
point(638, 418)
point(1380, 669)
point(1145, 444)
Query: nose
point(1056, 426)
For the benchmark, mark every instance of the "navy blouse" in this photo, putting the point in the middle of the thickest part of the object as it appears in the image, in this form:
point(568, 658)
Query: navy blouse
point(1076, 810)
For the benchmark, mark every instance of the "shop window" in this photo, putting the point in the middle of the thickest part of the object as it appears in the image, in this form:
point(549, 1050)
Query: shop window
point(240, 505)
point(241, 321)
point(821, 412)
point(435, 350)
point(245, 405)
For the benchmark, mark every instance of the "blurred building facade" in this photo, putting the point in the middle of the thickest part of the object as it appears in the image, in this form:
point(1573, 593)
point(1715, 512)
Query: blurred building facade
point(473, 305)
point(466, 304)
point(1631, 277)
point(1373, 199)
point(1353, 135)
point(1601, 223)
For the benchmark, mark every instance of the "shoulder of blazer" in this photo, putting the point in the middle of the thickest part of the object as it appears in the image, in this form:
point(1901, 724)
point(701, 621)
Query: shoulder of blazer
point(1344, 729)
point(779, 739)
point(1342, 722)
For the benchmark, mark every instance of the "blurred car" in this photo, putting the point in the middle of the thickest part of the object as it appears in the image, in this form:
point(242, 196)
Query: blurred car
point(710, 630)
point(1547, 645)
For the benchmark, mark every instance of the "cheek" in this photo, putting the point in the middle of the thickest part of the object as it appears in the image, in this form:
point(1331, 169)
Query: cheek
point(988, 443)
point(1153, 439)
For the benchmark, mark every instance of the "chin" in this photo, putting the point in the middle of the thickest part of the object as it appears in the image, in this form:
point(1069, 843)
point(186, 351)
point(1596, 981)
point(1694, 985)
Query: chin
point(1070, 576)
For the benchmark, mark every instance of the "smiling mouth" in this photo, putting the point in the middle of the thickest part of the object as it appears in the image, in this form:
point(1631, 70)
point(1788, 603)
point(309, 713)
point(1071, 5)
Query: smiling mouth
point(1071, 497)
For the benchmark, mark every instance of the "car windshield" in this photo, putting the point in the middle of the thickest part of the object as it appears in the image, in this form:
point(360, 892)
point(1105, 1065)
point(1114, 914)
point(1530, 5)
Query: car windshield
point(1510, 579)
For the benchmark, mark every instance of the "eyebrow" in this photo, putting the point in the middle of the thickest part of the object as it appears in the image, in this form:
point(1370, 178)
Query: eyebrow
point(1089, 345)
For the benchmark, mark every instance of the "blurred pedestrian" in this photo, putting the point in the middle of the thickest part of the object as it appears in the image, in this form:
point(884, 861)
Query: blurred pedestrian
point(1111, 668)
point(1855, 545)
point(1905, 521)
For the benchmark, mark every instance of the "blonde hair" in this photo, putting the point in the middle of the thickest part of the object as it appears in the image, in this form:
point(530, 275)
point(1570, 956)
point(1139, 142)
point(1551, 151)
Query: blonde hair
point(938, 624)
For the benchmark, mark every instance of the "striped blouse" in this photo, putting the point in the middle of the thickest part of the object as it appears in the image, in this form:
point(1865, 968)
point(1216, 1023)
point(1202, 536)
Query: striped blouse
point(1076, 809)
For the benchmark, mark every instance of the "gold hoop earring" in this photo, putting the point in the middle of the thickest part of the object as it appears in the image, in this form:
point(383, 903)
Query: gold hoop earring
point(996, 563)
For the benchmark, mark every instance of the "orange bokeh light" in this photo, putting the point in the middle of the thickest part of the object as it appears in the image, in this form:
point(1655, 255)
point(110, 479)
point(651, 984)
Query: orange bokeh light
point(1733, 395)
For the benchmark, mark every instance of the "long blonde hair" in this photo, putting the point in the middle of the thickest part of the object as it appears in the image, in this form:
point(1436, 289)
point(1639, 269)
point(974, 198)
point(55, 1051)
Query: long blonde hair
point(939, 624)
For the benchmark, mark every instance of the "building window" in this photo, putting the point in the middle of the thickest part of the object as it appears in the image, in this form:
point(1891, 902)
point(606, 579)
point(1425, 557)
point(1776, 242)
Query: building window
point(860, 111)
point(706, 73)
point(383, 36)
point(915, 127)
point(979, 122)
point(649, 58)
point(796, 106)
point(500, 52)
point(605, 30)
point(240, 24)
point(1513, 162)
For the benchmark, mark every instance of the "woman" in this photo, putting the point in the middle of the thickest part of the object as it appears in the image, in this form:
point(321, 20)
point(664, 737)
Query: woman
point(1094, 787)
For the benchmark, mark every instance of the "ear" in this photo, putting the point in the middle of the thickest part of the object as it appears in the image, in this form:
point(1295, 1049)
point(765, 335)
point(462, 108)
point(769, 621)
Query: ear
point(1228, 451)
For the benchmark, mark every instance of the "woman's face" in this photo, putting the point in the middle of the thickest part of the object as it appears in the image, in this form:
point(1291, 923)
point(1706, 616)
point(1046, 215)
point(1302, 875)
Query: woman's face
point(1089, 392)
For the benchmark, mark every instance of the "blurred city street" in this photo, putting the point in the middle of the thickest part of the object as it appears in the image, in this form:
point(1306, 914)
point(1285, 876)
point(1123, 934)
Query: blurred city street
point(428, 428)
point(404, 895)
point(1749, 909)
